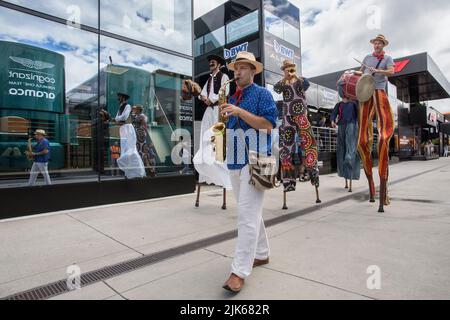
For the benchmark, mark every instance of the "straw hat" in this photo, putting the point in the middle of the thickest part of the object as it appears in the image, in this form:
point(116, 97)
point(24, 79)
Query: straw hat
point(40, 131)
point(288, 64)
point(381, 38)
point(246, 57)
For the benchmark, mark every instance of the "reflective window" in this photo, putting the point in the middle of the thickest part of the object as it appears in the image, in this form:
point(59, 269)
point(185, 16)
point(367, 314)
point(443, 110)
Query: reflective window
point(75, 12)
point(281, 29)
point(153, 83)
point(198, 46)
point(214, 40)
point(51, 80)
point(165, 23)
point(243, 26)
point(273, 24)
point(292, 34)
point(41, 63)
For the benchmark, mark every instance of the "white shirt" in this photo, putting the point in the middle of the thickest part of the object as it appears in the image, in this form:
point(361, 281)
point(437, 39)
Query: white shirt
point(212, 96)
point(125, 114)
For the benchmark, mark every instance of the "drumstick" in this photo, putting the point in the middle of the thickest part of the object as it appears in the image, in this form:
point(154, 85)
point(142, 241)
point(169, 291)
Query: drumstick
point(364, 65)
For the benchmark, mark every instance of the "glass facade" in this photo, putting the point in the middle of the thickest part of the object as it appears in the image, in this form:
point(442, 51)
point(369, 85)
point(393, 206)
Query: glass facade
point(229, 33)
point(281, 25)
point(58, 76)
point(210, 41)
point(282, 29)
point(243, 26)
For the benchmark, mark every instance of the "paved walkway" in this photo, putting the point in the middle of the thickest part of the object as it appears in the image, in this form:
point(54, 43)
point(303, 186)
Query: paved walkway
point(317, 251)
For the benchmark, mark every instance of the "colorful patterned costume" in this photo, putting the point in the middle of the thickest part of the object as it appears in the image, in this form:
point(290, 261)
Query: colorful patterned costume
point(295, 122)
point(144, 143)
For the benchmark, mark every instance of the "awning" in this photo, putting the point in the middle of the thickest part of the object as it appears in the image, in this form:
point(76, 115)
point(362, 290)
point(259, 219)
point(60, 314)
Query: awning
point(418, 78)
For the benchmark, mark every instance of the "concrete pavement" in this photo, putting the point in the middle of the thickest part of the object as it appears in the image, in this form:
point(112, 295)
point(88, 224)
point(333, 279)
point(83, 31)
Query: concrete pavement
point(324, 254)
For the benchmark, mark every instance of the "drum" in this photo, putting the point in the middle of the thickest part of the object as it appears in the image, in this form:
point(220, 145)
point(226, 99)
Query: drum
point(357, 87)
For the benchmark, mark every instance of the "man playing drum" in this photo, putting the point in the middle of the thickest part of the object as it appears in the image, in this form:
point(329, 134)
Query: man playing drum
point(381, 66)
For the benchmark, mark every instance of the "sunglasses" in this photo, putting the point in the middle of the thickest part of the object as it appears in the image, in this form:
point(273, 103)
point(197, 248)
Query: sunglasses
point(292, 70)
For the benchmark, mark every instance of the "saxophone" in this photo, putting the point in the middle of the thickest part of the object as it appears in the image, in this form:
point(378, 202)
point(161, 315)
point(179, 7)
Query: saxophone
point(218, 138)
point(29, 152)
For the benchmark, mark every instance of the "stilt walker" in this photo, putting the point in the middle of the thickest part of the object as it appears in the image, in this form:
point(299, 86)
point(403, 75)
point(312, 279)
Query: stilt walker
point(295, 122)
point(345, 115)
point(210, 171)
point(381, 66)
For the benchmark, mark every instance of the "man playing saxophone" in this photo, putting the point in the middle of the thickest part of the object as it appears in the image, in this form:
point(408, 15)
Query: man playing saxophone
point(40, 153)
point(252, 112)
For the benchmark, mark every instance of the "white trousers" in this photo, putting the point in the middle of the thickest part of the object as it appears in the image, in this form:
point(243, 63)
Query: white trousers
point(39, 167)
point(252, 239)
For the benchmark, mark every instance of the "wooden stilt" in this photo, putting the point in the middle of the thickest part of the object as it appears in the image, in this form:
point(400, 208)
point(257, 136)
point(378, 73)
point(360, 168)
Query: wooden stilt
point(284, 201)
point(197, 202)
point(224, 204)
point(317, 195)
point(350, 189)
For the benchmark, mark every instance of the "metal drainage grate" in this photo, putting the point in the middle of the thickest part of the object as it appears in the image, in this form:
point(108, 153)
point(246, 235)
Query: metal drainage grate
point(60, 287)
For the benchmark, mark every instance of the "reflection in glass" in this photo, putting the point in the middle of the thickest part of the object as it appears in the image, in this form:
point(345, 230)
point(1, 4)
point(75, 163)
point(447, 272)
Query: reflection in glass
point(43, 61)
point(281, 29)
point(198, 46)
point(76, 12)
point(292, 35)
point(164, 23)
point(152, 79)
point(214, 40)
point(243, 26)
point(273, 24)
point(285, 10)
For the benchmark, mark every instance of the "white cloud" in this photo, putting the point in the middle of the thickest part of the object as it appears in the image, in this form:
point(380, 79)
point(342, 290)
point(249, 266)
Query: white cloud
point(203, 6)
point(80, 48)
point(333, 32)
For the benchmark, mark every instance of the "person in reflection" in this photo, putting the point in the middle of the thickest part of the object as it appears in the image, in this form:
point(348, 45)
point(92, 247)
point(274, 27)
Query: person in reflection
point(144, 144)
point(129, 162)
point(185, 156)
point(115, 154)
point(40, 154)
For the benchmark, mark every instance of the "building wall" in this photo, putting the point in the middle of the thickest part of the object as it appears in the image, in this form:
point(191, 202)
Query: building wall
point(88, 52)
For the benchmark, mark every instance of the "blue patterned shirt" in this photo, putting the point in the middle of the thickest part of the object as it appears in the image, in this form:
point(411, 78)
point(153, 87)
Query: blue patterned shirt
point(39, 147)
point(259, 101)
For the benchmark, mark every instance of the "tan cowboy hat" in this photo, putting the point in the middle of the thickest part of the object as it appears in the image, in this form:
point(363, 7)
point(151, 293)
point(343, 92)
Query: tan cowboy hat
point(40, 131)
point(381, 38)
point(246, 57)
point(288, 64)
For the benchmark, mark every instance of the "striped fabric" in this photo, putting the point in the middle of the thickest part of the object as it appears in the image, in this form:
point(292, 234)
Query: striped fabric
point(379, 106)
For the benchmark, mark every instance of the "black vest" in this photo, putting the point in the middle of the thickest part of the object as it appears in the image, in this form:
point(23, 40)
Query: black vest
point(122, 108)
point(217, 83)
